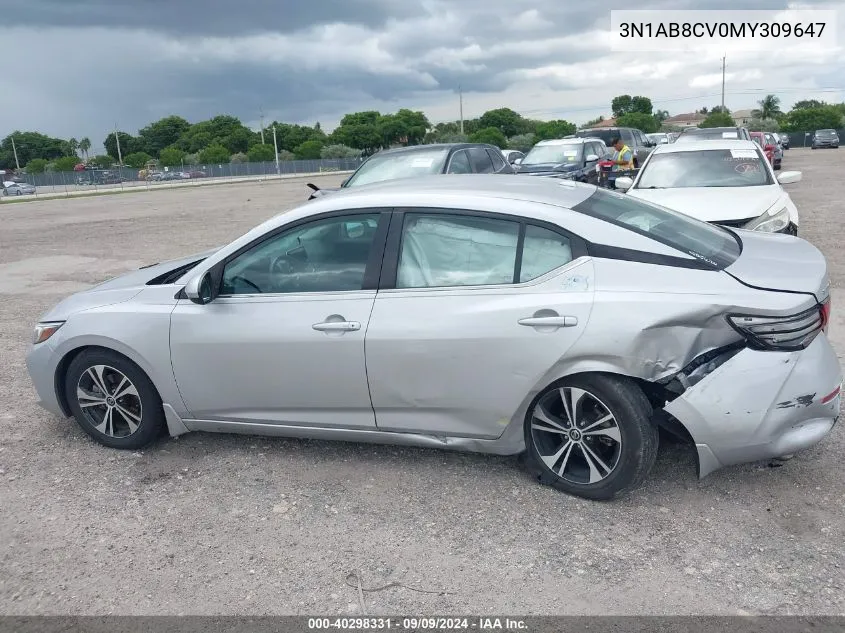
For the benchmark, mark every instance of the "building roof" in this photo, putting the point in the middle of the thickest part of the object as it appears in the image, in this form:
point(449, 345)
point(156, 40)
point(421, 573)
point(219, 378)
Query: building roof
point(692, 116)
point(611, 122)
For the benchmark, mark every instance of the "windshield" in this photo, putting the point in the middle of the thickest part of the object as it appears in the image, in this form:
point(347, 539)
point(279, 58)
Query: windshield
point(825, 132)
point(704, 168)
point(393, 165)
point(564, 153)
point(704, 241)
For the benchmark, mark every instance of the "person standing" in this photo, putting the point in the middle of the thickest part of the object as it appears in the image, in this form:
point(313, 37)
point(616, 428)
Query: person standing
point(623, 157)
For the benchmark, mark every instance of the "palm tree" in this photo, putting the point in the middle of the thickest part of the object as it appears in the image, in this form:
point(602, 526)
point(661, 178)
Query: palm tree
point(73, 145)
point(85, 145)
point(769, 107)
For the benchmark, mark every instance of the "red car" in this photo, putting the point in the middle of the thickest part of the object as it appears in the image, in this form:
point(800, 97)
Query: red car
point(769, 150)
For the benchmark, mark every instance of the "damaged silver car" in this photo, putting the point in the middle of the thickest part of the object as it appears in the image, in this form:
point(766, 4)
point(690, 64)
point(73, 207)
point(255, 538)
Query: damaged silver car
point(475, 313)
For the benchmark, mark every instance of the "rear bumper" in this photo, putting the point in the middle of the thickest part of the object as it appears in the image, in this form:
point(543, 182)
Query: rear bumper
point(760, 405)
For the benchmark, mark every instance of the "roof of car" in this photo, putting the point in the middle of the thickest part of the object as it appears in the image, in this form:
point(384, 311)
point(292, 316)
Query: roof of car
point(703, 130)
point(419, 148)
point(697, 146)
point(554, 191)
point(580, 140)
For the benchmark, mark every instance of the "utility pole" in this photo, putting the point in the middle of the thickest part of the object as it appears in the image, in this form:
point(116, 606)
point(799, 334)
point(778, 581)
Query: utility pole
point(261, 117)
point(117, 141)
point(723, 82)
point(276, 148)
point(461, 101)
point(15, 151)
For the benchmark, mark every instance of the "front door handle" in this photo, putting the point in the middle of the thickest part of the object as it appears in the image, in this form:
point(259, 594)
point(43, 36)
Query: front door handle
point(337, 326)
point(549, 321)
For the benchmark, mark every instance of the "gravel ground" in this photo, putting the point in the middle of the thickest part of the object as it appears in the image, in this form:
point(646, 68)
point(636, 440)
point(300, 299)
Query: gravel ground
point(211, 524)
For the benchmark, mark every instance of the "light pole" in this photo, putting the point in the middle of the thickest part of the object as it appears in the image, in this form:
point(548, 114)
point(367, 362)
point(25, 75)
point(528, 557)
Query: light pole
point(276, 151)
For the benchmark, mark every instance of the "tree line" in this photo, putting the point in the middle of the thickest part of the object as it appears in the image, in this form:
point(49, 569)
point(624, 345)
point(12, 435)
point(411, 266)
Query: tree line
point(172, 141)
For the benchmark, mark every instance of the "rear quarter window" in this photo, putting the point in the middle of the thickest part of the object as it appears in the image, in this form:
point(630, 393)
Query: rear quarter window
point(710, 244)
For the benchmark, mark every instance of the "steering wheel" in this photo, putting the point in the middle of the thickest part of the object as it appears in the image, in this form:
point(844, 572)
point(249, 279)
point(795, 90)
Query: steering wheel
point(247, 282)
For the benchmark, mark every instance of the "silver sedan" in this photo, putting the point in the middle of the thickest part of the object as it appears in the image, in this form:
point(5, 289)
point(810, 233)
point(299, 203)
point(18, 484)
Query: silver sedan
point(475, 313)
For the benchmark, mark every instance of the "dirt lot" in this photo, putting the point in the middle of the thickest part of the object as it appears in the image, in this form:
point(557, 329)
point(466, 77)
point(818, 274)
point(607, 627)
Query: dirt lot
point(237, 525)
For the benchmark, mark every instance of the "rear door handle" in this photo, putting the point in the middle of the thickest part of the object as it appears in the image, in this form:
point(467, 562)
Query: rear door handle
point(337, 326)
point(549, 321)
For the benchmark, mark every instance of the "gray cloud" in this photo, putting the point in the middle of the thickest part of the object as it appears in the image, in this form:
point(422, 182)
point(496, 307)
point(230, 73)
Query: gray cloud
point(89, 63)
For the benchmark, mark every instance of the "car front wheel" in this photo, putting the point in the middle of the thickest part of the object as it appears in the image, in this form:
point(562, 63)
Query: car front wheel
point(113, 400)
point(592, 436)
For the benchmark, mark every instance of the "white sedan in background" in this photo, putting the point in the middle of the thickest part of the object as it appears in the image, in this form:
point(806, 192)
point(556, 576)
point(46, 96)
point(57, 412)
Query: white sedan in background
point(727, 182)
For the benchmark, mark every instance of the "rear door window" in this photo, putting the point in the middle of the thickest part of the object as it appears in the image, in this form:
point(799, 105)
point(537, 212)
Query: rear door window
point(497, 158)
point(480, 160)
point(460, 163)
point(713, 245)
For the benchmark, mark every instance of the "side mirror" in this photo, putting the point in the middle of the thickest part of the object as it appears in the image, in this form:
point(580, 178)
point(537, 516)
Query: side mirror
point(591, 158)
point(200, 289)
point(788, 177)
point(623, 183)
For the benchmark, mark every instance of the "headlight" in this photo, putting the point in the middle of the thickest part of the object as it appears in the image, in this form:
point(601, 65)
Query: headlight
point(770, 221)
point(43, 331)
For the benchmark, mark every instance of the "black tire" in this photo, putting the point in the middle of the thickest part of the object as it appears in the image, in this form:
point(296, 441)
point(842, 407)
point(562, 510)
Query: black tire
point(634, 458)
point(147, 404)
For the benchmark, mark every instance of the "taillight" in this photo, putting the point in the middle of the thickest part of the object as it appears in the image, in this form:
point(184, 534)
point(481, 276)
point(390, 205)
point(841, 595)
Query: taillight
point(785, 333)
point(824, 310)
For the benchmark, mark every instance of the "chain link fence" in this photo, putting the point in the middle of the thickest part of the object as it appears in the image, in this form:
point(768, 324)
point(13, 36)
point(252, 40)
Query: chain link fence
point(117, 178)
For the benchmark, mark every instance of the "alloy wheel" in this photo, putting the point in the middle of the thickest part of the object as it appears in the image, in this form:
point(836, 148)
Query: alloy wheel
point(109, 401)
point(576, 435)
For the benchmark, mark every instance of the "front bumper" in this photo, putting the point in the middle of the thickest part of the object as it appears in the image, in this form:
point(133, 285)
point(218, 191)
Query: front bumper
point(760, 405)
point(42, 362)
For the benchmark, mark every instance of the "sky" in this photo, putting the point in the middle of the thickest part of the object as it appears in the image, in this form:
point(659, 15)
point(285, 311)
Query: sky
point(80, 67)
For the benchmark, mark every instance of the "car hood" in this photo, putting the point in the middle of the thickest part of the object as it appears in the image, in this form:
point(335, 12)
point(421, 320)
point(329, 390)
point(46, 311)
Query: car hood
point(544, 168)
point(715, 204)
point(121, 288)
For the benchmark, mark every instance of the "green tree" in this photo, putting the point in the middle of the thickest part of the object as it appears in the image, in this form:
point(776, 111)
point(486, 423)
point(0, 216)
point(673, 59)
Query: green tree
point(36, 166)
point(554, 129)
point(240, 157)
point(172, 156)
point(291, 136)
point(641, 105)
point(661, 115)
point(811, 119)
point(808, 103)
point(137, 159)
point(189, 159)
point(339, 151)
point(720, 108)
point(102, 161)
point(66, 163)
point(214, 153)
point(491, 135)
point(643, 122)
point(286, 155)
point(415, 125)
point(85, 145)
point(73, 146)
point(763, 125)
point(359, 132)
point(128, 144)
point(162, 133)
point(261, 153)
point(717, 119)
point(29, 145)
point(623, 104)
point(309, 150)
point(522, 142)
point(505, 120)
point(769, 108)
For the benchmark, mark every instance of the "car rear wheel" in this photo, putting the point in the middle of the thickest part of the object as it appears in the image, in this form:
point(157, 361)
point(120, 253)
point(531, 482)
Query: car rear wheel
point(592, 436)
point(113, 400)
